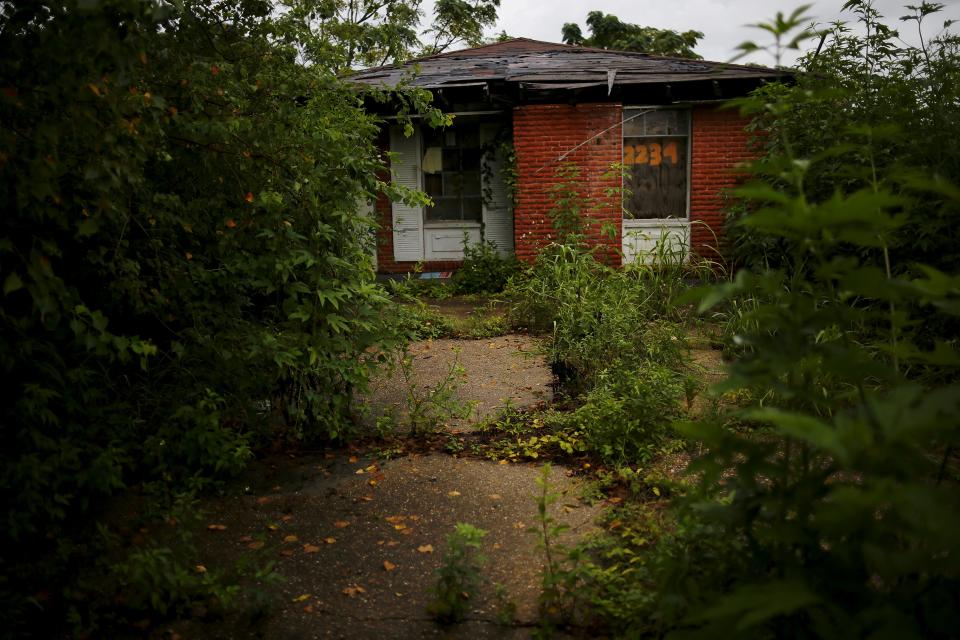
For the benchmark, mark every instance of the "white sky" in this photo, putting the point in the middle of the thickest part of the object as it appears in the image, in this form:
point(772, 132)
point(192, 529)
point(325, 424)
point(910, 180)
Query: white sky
point(722, 21)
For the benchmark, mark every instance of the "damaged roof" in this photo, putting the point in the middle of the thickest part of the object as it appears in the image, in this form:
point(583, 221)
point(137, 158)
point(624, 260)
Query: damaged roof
point(537, 65)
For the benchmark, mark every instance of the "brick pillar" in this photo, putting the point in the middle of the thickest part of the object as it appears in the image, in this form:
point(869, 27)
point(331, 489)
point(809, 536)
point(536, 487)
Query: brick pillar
point(541, 135)
point(719, 144)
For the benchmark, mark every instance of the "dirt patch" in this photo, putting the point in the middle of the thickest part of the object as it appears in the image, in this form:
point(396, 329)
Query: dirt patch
point(506, 369)
point(358, 542)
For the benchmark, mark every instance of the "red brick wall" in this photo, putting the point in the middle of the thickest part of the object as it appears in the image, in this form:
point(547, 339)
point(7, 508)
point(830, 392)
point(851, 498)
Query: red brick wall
point(541, 134)
point(719, 144)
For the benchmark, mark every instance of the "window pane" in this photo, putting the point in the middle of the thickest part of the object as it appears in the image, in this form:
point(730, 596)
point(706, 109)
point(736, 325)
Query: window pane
point(633, 123)
point(444, 209)
point(433, 184)
point(451, 159)
point(471, 183)
point(473, 209)
point(452, 184)
point(655, 178)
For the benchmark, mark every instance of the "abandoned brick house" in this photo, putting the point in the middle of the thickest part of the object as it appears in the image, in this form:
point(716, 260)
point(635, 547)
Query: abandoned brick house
point(656, 119)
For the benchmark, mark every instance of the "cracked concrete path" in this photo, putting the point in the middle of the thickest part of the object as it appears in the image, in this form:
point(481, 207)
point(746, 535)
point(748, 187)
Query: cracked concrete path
point(506, 369)
point(357, 542)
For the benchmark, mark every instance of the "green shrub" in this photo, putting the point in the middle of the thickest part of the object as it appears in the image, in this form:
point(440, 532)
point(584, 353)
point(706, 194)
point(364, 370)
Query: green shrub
point(483, 270)
point(626, 418)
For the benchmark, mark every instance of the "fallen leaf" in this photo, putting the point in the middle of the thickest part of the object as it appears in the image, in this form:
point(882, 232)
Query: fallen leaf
point(308, 608)
point(414, 518)
point(389, 566)
point(286, 518)
point(656, 491)
point(302, 598)
point(496, 545)
point(373, 467)
point(354, 590)
point(615, 524)
point(287, 552)
point(352, 459)
point(249, 196)
point(519, 525)
point(367, 498)
point(360, 472)
point(256, 544)
point(216, 527)
point(246, 539)
point(395, 519)
point(200, 568)
point(310, 548)
point(503, 462)
point(453, 494)
point(494, 496)
point(231, 223)
point(291, 539)
point(373, 483)
point(425, 548)
point(330, 540)
point(392, 543)
point(341, 524)
point(615, 500)
point(263, 500)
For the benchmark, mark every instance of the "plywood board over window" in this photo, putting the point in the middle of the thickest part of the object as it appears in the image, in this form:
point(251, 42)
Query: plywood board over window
point(655, 159)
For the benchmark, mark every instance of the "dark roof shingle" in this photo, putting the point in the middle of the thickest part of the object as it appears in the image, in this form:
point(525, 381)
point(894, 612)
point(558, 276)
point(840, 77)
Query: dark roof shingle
point(539, 64)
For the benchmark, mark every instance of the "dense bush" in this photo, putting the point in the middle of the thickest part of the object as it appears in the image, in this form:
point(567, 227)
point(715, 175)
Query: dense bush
point(182, 262)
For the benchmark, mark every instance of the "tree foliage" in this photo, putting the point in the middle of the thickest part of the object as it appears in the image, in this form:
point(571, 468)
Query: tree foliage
point(363, 33)
point(607, 31)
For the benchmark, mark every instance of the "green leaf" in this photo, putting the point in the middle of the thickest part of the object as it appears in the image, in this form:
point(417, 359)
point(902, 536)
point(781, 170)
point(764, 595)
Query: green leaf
point(12, 283)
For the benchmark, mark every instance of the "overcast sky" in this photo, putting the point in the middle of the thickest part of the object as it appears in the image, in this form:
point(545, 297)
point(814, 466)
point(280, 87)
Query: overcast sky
point(722, 21)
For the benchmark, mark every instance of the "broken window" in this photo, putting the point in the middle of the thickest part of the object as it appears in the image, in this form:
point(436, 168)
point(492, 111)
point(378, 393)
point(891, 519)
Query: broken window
point(655, 152)
point(451, 173)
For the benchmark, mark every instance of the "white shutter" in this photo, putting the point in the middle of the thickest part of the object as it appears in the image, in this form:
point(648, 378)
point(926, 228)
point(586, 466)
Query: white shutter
point(497, 209)
point(407, 221)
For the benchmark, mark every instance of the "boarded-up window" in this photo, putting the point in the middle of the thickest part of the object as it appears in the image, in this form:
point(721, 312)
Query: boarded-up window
point(655, 143)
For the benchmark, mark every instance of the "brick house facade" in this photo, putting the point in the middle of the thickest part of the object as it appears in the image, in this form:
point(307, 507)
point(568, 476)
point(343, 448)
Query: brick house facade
point(681, 163)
